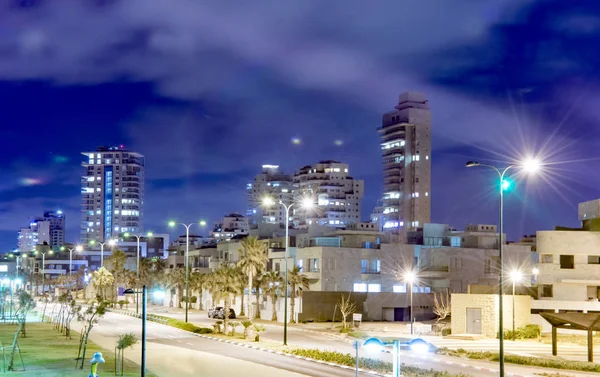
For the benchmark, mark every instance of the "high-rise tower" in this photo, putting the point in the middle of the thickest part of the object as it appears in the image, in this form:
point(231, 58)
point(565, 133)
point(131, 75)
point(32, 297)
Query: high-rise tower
point(406, 155)
point(272, 183)
point(112, 192)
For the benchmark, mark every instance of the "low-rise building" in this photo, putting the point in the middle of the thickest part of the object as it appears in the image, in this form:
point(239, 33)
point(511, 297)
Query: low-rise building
point(230, 226)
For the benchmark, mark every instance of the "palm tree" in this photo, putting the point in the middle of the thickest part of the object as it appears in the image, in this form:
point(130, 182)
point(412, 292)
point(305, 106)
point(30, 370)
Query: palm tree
point(273, 282)
point(198, 283)
point(175, 282)
point(253, 260)
point(145, 271)
point(102, 279)
point(298, 282)
point(117, 262)
point(226, 281)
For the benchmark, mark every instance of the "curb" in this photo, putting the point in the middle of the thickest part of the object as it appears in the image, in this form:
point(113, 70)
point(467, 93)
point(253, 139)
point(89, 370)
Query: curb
point(373, 373)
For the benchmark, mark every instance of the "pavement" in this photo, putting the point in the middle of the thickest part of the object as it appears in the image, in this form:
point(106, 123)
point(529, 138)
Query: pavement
point(317, 337)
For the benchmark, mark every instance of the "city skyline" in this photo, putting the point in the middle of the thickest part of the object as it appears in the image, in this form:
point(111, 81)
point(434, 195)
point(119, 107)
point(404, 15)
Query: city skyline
point(208, 111)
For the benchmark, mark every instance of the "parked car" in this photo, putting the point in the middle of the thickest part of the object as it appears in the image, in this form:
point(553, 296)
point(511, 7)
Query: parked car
point(213, 312)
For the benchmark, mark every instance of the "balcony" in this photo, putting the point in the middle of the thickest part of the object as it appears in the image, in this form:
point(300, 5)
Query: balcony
point(370, 271)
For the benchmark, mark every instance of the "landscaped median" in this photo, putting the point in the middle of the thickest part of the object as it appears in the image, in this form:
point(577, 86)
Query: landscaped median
point(523, 360)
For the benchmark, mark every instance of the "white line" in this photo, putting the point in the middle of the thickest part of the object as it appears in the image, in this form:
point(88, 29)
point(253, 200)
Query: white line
point(189, 344)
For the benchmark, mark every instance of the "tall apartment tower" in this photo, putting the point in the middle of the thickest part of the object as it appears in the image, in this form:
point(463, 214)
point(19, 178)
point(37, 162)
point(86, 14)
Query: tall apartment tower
point(336, 193)
point(273, 183)
point(406, 155)
point(56, 224)
point(112, 192)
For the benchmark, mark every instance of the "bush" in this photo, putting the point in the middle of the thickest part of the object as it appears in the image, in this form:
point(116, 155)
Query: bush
point(528, 332)
point(446, 332)
point(370, 364)
point(121, 303)
point(346, 330)
point(193, 300)
point(188, 326)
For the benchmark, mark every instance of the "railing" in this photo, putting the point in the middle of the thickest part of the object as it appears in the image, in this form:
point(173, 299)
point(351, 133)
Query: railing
point(370, 271)
point(149, 317)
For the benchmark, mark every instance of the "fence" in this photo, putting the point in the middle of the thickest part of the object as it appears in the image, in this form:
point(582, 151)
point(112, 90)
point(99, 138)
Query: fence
point(149, 317)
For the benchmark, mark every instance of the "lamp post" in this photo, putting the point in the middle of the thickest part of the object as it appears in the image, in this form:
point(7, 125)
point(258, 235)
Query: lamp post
point(515, 276)
point(187, 258)
point(306, 203)
point(79, 249)
point(44, 267)
point(530, 165)
point(110, 243)
point(157, 294)
point(417, 345)
point(137, 263)
point(410, 278)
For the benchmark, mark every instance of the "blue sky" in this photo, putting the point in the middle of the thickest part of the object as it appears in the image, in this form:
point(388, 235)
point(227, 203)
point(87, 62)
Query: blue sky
point(209, 91)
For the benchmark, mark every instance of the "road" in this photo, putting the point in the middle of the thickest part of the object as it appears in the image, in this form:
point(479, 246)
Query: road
point(298, 337)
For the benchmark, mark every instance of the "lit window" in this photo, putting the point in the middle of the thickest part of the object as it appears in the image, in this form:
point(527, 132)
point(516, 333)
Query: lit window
point(374, 288)
point(90, 223)
point(427, 157)
point(98, 162)
point(346, 170)
point(399, 288)
point(426, 194)
point(336, 170)
point(117, 228)
point(360, 287)
point(90, 179)
point(98, 212)
point(98, 155)
point(97, 189)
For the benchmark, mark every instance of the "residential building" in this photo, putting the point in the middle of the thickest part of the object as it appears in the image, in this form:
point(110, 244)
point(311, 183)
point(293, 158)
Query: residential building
point(155, 246)
point(47, 229)
point(230, 226)
point(338, 196)
point(112, 190)
point(272, 183)
point(405, 137)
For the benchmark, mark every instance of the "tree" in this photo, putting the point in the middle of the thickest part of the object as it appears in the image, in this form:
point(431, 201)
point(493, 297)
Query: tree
point(259, 284)
point(117, 262)
point(298, 282)
point(442, 306)
point(197, 283)
point(125, 341)
point(90, 317)
point(253, 260)
point(347, 307)
point(175, 282)
point(25, 305)
point(273, 282)
point(102, 279)
point(227, 286)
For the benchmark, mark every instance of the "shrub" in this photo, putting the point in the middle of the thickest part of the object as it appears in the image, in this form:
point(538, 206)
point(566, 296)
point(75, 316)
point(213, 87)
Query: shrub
point(446, 332)
point(346, 330)
point(193, 299)
point(217, 326)
point(258, 329)
point(121, 303)
point(246, 324)
point(188, 326)
point(528, 332)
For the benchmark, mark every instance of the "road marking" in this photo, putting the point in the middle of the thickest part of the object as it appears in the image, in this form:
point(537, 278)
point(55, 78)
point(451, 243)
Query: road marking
point(179, 340)
point(189, 344)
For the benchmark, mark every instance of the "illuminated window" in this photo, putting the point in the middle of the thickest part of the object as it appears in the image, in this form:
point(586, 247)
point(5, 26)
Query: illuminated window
point(374, 288)
point(360, 287)
point(399, 288)
point(91, 179)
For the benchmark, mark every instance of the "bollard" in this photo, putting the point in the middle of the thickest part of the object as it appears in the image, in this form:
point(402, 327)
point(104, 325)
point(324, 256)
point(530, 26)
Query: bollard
point(97, 359)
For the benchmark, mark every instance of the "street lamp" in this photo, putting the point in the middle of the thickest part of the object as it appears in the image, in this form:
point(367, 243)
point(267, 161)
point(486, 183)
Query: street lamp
point(531, 166)
point(410, 277)
point(306, 203)
point(417, 345)
point(137, 263)
point(43, 266)
point(515, 276)
point(187, 256)
point(157, 294)
point(79, 249)
point(110, 243)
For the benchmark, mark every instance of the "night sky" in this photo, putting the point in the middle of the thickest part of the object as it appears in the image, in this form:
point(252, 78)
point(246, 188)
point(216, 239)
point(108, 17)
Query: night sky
point(209, 91)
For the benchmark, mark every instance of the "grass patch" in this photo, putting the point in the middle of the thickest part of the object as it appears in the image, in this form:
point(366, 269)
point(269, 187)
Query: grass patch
point(524, 360)
point(370, 364)
point(48, 353)
point(571, 338)
point(185, 325)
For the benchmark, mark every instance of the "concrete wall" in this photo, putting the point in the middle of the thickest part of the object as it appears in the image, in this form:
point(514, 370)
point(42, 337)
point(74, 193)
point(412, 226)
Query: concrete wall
point(320, 306)
point(377, 303)
point(489, 312)
point(568, 284)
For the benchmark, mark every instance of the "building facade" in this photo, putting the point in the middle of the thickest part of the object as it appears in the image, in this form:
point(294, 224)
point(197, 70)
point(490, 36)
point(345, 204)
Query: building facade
point(112, 190)
point(272, 183)
point(230, 226)
point(406, 156)
point(47, 229)
point(338, 196)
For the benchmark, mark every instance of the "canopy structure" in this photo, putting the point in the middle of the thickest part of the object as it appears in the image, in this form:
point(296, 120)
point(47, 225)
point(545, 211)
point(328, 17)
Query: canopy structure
point(588, 322)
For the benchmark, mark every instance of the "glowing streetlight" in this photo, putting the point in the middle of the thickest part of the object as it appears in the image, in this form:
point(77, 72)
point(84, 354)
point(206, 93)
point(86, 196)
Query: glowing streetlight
point(137, 263)
point(306, 203)
point(78, 249)
point(43, 267)
point(515, 276)
point(410, 277)
point(172, 224)
point(530, 165)
point(110, 243)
